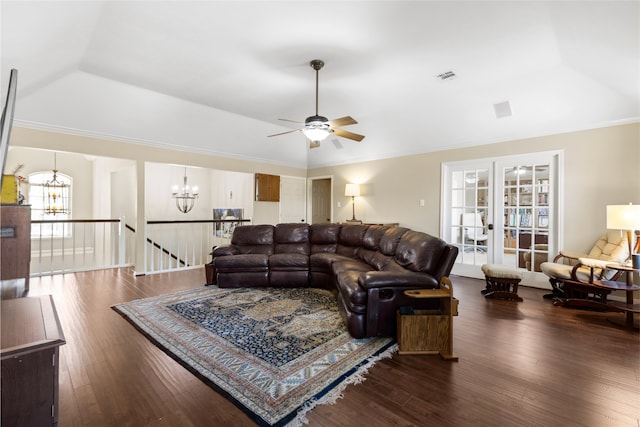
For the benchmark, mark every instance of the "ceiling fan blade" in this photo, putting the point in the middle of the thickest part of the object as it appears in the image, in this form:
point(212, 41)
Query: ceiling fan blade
point(292, 121)
point(284, 133)
point(347, 134)
point(314, 144)
point(343, 121)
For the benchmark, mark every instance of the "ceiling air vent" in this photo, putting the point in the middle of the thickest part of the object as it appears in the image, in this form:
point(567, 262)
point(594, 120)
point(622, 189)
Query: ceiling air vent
point(502, 109)
point(447, 75)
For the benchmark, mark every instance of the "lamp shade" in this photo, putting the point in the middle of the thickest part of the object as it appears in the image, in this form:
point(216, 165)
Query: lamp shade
point(316, 133)
point(623, 217)
point(352, 190)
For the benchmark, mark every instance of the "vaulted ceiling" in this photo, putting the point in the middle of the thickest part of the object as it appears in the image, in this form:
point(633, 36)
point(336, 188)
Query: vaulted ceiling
point(215, 76)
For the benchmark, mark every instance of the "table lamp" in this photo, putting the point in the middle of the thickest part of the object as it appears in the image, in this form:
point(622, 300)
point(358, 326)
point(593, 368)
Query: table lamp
point(625, 217)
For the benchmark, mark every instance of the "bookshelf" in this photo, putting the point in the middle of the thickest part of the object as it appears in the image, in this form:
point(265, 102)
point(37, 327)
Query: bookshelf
point(526, 216)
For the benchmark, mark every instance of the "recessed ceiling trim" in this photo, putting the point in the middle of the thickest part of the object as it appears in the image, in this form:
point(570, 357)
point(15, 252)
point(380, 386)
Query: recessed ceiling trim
point(148, 143)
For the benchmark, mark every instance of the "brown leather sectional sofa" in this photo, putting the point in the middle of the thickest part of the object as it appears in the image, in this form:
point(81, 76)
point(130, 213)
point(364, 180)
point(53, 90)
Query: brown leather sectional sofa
point(368, 266)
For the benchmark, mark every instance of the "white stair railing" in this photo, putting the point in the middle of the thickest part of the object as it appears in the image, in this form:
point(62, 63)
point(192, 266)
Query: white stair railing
point(179, 245)
point(69, 245)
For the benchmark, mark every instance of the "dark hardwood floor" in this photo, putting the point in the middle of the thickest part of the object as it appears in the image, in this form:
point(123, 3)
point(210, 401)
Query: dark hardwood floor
point(521, 364)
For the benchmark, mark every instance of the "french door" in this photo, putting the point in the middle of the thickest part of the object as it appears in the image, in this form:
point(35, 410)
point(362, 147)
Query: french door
point(502, 211)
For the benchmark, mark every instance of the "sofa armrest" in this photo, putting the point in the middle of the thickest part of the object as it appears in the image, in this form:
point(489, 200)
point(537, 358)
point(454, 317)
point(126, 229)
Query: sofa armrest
point(225, 251)
point(392, 279)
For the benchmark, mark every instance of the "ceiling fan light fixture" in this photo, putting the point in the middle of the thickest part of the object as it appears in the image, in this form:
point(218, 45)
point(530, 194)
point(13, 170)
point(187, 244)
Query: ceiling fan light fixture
point(316, 134)
point(316, 128)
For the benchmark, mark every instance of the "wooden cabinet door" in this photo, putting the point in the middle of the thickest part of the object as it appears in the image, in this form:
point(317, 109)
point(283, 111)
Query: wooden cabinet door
point(267, 188)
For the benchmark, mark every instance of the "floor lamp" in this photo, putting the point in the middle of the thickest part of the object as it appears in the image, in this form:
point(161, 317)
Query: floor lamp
point(352, 190)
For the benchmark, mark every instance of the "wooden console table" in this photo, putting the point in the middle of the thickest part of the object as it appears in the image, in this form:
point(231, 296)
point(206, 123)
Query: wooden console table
point(29, 360)
point(429, 331)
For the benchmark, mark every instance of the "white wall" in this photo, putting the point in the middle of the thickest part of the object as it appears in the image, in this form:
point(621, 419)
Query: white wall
point(124, 194)
point(601, 168)
point(232, 190)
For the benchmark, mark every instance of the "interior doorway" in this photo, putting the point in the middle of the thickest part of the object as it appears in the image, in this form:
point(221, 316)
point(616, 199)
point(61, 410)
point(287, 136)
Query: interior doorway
point(320, 199)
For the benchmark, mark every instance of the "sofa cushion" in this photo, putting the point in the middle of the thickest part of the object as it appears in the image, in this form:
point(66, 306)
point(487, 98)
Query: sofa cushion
point(371, 239)
point(324, 237)
point(253, 239)
point(322, 261)
point(350, 240)
point(289, 262)
point(349, 265)
point(291, 238)
point(375, 260)
point(390, 239)
point(369, 252)
point(419, 251)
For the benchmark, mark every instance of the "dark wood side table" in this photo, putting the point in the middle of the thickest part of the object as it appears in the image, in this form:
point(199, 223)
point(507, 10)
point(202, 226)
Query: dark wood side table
point(429, 331)
point(629, 287)
point(29, 360)
point(210, 270)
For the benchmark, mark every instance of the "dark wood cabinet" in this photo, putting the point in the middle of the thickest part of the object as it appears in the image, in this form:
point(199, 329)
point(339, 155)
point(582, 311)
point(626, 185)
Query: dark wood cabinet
point(15, 242)
point(267, 188)
point(29, 360)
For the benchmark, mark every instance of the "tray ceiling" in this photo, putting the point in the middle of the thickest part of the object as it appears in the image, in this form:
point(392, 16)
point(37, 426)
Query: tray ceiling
point(214, 76)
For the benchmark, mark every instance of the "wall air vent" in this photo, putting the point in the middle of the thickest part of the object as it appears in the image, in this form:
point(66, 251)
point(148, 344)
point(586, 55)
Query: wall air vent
point(447, 75)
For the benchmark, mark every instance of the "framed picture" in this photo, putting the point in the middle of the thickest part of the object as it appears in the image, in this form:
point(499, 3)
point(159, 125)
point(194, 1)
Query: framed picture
point(543, 221)
point(525, 199)
point(225, 229)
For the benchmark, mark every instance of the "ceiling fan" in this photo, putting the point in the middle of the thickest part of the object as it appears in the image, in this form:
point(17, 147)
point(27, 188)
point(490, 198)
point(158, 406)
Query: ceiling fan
point(317, 128)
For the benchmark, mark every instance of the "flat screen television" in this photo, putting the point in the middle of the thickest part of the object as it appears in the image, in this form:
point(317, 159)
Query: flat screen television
point(7, 117)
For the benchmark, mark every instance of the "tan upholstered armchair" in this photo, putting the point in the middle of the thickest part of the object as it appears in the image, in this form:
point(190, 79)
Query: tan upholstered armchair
point(612, 247)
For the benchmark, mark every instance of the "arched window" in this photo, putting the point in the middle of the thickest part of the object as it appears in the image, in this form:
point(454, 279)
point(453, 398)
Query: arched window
point(50, 199)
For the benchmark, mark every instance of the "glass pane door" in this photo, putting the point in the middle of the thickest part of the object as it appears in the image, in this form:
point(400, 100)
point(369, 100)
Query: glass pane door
point(526, 215)
point(467, 214)
point(502, 211)
point(470, 209)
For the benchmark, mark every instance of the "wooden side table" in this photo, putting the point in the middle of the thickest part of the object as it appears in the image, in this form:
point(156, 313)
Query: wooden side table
point(629, 287)
point(210, 270)
point(429, 331)
point(29, 359)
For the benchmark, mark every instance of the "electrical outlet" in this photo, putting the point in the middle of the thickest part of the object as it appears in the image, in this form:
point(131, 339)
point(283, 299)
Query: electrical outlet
point(421, 202)
point(339, 204)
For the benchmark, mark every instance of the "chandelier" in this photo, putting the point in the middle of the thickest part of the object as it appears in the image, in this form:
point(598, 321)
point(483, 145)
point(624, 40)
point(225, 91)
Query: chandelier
point(186, 197)
point(55, 194)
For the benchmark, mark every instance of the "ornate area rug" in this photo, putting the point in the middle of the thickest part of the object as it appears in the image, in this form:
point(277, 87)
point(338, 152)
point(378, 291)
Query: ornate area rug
point(275, 352)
